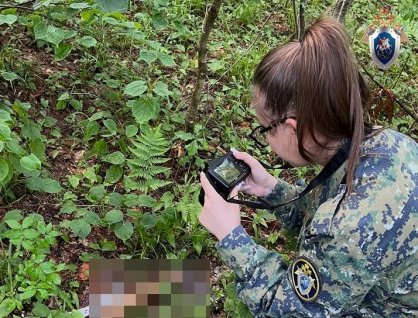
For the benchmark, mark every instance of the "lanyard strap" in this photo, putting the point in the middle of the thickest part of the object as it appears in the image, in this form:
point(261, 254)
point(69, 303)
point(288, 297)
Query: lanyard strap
point(332, 166)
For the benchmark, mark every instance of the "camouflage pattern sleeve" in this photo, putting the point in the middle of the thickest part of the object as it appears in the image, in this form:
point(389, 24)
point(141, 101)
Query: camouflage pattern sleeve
point(358, 254)
point(290, 215)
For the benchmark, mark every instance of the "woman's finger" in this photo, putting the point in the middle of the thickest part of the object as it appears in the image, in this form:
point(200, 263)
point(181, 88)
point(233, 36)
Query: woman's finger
point(246, 157)
point(209, 190)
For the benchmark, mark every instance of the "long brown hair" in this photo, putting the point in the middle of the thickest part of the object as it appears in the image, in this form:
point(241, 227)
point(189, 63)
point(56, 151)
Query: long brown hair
point(317, 78)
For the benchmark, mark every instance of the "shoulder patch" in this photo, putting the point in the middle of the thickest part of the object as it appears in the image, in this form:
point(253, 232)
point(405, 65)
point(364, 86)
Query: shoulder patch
point(305, 279)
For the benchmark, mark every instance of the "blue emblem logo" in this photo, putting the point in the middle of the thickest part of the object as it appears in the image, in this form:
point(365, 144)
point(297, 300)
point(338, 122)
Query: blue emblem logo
point(384, 46)
point(305, 279)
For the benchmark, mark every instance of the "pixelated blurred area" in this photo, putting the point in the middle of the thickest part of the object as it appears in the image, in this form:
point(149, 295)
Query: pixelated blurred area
point(149, 288)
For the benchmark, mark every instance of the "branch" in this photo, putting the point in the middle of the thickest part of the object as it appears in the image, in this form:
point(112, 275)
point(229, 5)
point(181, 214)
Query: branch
point(202, 68)
point(341, 8)
point(302, 7)
point(297, 30)
point(406, 109)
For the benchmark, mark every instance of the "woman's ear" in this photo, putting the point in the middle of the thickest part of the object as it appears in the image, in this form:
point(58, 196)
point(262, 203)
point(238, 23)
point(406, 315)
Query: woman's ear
point(292, 123)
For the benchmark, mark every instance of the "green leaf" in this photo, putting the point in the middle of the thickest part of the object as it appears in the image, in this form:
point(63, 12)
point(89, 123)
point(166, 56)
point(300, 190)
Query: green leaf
point(216, 65)
point(112, 83)
point(37, 146)
point(100, 148)
point(159, 21)
point(96, 193)
point(184, 136)
point(43, 185)
point(15, 148)
point(77, 104)
point(51, 34)
point(41, 30)
point(144, 109)
point(124, 231)
point(6, 307)
point(112, 5)
point(30, 163)
point(113, 216)
point(7, 19)
point(161, 89)
point(13, 224)
point(79, 5)
point(148, 220)
point(166, 59)
point(62, 51)
point(136, 88)
point(80, 228)
point(90, 174)
point(5, 116)
point(146, 201)
point(92, 128)
point(148, 56)
point(1, 149)
point(115, 158)
point(30, 234)
point(41, 310)
point(5, 131)
point(27, 222)
point(28, 245)
point(74, 181)
point(110, 125)
point(113, 174)
point(13, 215)
point(27, 294)
point(97, 116)
point(9, 76)
point(88, 41)
point(92, 218)
point(131, 130)
point(4, 169)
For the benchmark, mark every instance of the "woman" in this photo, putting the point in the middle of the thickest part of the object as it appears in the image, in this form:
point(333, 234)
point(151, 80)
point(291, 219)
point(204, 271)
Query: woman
point(358, 242)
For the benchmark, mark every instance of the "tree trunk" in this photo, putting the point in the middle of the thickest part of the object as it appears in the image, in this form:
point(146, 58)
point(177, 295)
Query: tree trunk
point(202, 68)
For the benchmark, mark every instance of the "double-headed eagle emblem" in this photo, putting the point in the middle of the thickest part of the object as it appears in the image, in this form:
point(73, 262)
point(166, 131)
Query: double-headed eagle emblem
point(384, 38)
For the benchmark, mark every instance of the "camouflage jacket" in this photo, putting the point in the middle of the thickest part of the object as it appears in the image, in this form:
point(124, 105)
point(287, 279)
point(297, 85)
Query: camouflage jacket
point(358, 253)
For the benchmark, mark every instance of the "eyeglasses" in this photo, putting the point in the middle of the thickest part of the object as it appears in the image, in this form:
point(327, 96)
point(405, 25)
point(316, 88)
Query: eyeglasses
point(259, 134)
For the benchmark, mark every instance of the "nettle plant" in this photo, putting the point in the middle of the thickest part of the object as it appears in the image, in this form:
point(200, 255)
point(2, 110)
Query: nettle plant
point(28, 274)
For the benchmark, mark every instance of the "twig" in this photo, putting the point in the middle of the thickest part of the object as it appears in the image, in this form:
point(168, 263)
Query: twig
point(302, 6)
point(297, 30)
point(406, 109)
point(402, 69)
point(5, 6)
point(341, 8)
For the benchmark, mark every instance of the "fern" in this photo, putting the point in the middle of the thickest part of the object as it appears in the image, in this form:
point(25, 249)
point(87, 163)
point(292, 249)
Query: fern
point(189, 206)
point(146, 165)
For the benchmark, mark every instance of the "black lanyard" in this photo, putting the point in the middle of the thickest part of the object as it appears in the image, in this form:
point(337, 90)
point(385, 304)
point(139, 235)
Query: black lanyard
point(332, 166)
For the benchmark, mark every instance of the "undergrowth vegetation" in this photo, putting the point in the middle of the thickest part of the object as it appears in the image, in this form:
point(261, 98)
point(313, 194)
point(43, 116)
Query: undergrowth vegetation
point(95, 160)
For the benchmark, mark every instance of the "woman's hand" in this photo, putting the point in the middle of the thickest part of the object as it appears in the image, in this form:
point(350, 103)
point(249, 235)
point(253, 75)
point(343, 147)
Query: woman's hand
point(218, 216)
point(259, 183)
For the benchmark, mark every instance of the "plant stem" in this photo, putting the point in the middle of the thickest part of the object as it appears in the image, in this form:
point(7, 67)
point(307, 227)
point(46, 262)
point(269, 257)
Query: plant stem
point(202, 68)
point(341, 8)
point(302, 7)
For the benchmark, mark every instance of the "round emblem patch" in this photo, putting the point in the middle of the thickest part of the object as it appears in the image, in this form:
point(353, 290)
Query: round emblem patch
point(305, 279)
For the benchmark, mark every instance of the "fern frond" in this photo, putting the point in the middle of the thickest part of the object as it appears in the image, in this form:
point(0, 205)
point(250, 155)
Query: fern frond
point(149, 156)
point(149, 173)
